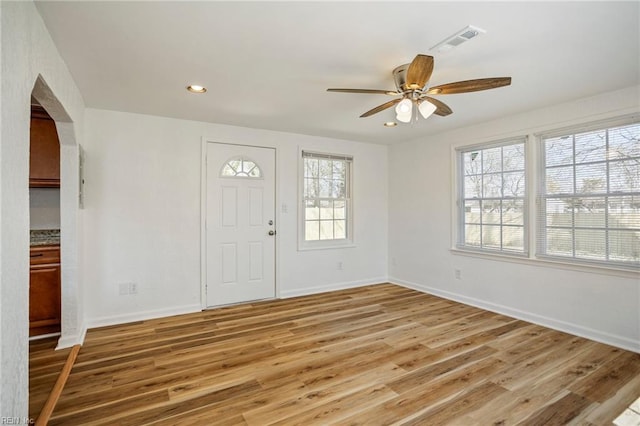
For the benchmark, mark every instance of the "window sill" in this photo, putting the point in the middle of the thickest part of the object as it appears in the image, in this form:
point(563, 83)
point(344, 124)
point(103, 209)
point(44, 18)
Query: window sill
point(325, 246)
point(550, 263)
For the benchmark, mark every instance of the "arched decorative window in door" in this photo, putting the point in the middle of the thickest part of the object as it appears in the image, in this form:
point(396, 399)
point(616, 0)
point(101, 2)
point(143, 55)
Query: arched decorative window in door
point(241, 167)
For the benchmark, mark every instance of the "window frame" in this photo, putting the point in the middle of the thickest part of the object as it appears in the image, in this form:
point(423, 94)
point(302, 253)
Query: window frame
point(349, 241)
point(242, 174)
point(460, 216)
point(533, 165)
point(541, 195)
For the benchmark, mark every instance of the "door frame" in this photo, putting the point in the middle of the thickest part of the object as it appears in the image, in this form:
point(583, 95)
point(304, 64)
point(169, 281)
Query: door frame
point(203, 215)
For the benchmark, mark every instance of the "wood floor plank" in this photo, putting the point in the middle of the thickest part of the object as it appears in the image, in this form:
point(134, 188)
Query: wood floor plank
point(337, 409)
point(601, 414)
point(432, 394)
point(322, 394)
point(458, 406)
point(185, 406)
point(45, 364)
point(560, 412)
point(537, 369)
point(545, 381)
point(611, 376)
point(379, 354)
point(419, 377)
point(52, 400)
point(227, 412)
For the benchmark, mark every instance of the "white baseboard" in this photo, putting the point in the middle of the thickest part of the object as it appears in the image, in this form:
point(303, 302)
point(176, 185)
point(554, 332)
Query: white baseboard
point(68, 341)
point(141, 316)
point(567, 327)
point(43, 336)
point(188, 309)
point(331, 287)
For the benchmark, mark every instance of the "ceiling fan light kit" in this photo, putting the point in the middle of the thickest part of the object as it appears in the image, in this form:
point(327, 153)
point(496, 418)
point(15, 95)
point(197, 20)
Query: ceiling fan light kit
point(426, 108)
point(411, 85)
point(403, 110)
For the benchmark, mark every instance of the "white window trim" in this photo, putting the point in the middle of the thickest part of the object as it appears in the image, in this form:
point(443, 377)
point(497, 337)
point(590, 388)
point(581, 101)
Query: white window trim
point(349, 242)
point(458, 244)
point(534, 178)
point(551, 263)
point(540, 193)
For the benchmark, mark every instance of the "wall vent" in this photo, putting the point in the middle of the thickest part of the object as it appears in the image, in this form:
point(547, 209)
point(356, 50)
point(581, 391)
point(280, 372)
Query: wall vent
point(458, 38)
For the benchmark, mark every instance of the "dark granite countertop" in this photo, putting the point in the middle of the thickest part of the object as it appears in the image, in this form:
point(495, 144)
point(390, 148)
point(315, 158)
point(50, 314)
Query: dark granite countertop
point(44, 237)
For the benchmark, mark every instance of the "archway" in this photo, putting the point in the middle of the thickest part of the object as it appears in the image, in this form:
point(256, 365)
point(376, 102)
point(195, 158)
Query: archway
point(72, 324)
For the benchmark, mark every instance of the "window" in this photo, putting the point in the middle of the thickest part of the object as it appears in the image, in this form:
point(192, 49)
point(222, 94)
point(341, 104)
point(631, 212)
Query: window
point(326, 198)
point(587, 203)
point(492, 203)
point(241, 167)
point(590, 195)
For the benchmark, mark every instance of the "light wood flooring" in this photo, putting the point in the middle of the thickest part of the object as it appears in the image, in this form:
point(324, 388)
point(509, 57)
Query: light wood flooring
point(45, 364)
point(375, 355)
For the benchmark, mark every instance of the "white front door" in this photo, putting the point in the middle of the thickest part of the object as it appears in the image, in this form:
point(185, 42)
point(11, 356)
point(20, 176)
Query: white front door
point(240, 223)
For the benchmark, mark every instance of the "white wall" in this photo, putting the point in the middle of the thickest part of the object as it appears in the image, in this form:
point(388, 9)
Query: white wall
point(142, 214)
point(602, 306)
point(28, 51)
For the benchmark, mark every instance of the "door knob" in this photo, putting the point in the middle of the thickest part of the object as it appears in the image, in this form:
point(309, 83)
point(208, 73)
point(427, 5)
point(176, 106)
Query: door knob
point(272, 232)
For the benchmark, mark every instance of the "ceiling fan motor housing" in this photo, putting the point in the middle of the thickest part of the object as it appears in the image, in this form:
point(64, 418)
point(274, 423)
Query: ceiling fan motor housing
point(400, 77)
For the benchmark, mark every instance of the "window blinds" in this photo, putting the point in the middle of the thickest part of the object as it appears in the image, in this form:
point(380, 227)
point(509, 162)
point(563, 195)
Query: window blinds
point(307, 154)
point(493, 206)
point(589, 206)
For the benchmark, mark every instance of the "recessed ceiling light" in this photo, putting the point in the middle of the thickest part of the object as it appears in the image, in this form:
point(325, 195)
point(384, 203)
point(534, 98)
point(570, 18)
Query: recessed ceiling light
point(194, 88)
point(390, 124)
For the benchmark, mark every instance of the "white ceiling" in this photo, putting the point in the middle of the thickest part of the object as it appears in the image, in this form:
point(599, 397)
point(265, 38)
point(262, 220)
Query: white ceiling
point(268, 64)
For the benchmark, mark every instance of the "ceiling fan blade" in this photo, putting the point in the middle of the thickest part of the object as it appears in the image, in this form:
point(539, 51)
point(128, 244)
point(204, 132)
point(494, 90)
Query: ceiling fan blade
point(419, 72)
point(470, 86)
point(369, 91)
point(442, 109)
point(381, 108)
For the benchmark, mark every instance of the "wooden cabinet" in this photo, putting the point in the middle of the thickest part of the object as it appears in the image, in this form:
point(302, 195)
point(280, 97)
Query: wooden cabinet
point(44, 159)
point(44, 290)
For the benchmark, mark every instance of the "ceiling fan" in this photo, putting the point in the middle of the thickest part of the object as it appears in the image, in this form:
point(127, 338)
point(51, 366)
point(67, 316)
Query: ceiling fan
point(411, 85)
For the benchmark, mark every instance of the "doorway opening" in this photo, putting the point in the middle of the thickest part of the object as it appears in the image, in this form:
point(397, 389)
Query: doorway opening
point(45, 310)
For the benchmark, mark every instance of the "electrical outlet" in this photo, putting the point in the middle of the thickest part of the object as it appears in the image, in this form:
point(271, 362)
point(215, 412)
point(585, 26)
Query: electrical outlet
point(133, 288)
point(339, 266)
point(458, 274)
point(393, 262)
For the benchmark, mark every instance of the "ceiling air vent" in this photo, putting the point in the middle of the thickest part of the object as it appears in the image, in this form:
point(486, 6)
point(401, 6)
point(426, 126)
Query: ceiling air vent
point(458, 38)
